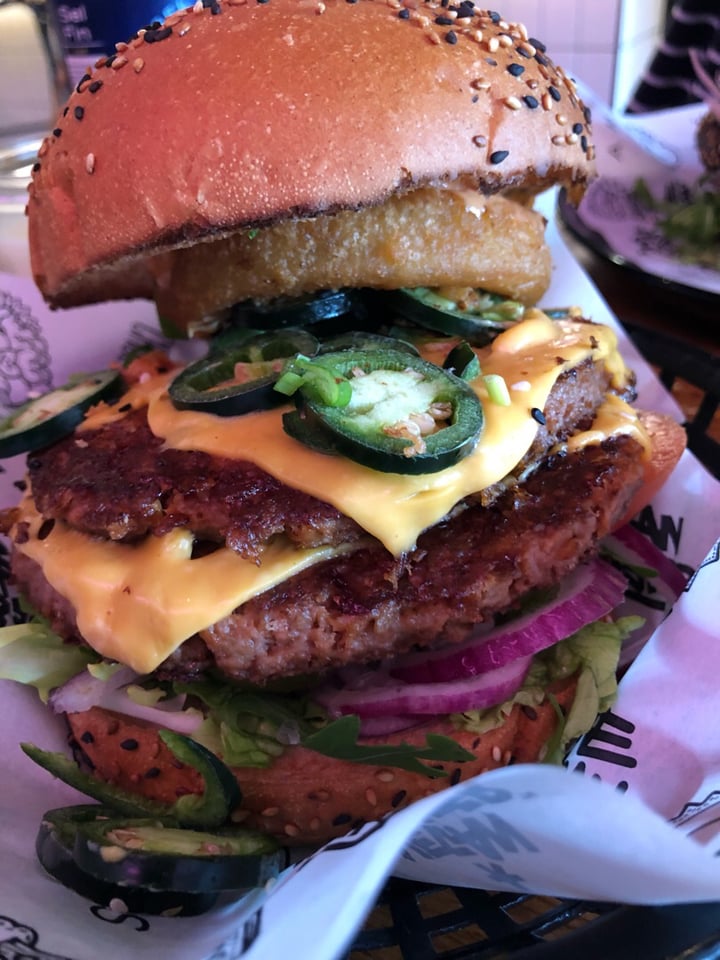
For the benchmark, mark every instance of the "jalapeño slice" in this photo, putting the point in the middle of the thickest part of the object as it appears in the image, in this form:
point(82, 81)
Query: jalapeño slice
point(48, 418)
point(204, 811)
point(476, 315)
point(397, 414)
point(239, 373)
point(336, 307)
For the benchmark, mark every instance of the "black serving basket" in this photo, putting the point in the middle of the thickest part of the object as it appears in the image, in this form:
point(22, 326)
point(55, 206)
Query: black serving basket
point(416, 921)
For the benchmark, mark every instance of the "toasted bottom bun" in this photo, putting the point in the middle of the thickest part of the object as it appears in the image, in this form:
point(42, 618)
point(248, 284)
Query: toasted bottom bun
point(304, 797)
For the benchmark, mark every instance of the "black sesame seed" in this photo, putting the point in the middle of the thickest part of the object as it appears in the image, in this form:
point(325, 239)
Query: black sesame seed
point(530, 712)
point(79, 112)
point(95, 86)
point(499, 155)
point(538, 416)
point(404, 14)
point(474, 99)
point(351, 1)
point(531, 101)
point(155, 36)
point(398, 798)
point(125, 408)
point(494, 16)
point(263, 1)
point(35, 167)
point(66, 110)
point(554, 93)
point(45, 530)
point(87, 737)
point(85, 77)
point(491, 61)
point(541, 59)
point(129, 744)
point(516, 69)
point(455, 776)
point(341, 818)
point(584, 143)
point(577, 128)
point(451, 37)
point(587, 113)
point(538, 44)
point(110, 60)
point(476, 743)
point(444, 21)
point(152, 773)
point(57, 132)
point(524, 52)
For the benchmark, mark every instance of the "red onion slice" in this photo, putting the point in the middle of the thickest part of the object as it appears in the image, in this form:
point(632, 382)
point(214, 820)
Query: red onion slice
point(392, 699)
point(592, 591)
point(84, 691)
point(649, 555)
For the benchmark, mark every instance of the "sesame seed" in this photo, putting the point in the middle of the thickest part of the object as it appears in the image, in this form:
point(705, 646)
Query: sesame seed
point(537, 43)
point(198, 6)
point(57, 132)
point(493, 44)
point(152, 773)
point(385, 776)
point(90, 162)
point(184, 29)
point(155, 36)
point(504, 40)
point(320, 795)
point(315, 824)
point(35, 167)
point(480, 84)
point(498, 156)
point(561, 119)
point(341, 818)
point(531, 102)
point(547, 101)
point(119, 62)
point(496, 754)
point(109, 61)
point(121, 47)
point(404, 14)
point(268, 811)
point(554, 93)
point(443, 21)
point(530, 712)
point(507, 757)
point(538, 416)
point(451, 37)
point(87, 737)
point(516, 69)
point(371, 797)
point(577, 128)
point(79, 113)
point(398, 798)
point(584, 142)
point(513, 103)
point(95, 86)
point(559, 141)
point(138, 64)
point(291, 829)
point(480, 140)
point(129, 744)
point(571, 138)
point(81, 81)
point(455, 776)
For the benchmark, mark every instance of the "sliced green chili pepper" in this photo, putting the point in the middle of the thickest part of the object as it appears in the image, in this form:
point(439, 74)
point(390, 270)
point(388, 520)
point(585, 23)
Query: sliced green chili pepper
point(338, 306)
point(45, 419)
point(404, 415)
point(479, 320)
point(463, 362)
point(206, 810)
point(239, 373)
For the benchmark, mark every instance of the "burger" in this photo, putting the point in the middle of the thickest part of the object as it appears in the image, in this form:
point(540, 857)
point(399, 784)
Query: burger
point(352, 550)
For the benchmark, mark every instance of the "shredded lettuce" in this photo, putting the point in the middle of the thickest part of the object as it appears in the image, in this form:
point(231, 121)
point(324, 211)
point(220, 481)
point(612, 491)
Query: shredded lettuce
point(594, 652)
point(32, 654)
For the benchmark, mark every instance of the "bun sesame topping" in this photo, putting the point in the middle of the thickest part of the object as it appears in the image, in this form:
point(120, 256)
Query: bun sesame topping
point(237, 114)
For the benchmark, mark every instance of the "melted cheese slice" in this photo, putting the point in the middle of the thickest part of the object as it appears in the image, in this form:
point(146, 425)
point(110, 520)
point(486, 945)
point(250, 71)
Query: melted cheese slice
point(138, 602)
point(395, 509)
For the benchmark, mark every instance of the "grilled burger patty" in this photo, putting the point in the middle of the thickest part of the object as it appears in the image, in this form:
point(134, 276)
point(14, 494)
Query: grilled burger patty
point(119, 481)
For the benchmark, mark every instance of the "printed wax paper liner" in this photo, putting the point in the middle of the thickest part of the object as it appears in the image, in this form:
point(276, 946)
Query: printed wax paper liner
point(623, 833)
point(660, 149)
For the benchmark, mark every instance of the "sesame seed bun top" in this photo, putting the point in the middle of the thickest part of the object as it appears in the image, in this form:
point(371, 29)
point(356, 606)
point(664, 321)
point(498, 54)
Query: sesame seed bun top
point(242, 113)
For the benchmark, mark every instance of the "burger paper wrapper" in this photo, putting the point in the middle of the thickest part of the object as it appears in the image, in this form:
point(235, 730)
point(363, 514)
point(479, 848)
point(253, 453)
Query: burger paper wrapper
point(631, 817)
